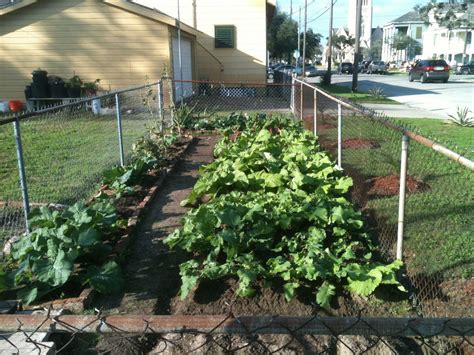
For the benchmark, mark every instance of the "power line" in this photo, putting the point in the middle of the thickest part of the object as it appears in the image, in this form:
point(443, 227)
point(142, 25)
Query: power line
point(326, 10)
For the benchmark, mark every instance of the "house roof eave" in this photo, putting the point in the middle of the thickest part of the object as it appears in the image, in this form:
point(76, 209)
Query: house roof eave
point(152, 15)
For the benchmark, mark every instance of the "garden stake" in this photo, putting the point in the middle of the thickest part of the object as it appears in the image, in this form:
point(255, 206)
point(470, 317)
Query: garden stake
point(160, 106)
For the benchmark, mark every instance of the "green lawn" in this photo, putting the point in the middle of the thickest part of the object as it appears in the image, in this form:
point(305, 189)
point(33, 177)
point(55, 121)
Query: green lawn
point(439, 219)
point(360, 97)
point(65, 155)
point(444, 132)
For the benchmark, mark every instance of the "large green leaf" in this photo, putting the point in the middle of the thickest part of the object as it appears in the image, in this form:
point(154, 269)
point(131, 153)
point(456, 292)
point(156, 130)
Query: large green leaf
point(325, 293)
point(88, 237)
point(106, 279)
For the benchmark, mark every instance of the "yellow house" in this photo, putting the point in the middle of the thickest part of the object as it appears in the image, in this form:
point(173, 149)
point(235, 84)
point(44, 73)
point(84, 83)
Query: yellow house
point(232, 41)
point(119, 42)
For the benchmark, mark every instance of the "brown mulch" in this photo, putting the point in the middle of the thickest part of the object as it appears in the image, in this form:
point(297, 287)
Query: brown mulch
point(390, 185)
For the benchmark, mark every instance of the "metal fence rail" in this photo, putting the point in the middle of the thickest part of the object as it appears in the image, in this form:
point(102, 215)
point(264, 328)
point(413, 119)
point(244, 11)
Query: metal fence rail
point(239, 334)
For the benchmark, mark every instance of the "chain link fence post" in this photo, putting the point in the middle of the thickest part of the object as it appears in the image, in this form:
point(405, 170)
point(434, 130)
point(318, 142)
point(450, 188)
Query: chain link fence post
point(315, 121)
point(339, 135)
point(292, 105)
point(21, 170)
point(401, 203)
point(119, 127)
point(301, 101)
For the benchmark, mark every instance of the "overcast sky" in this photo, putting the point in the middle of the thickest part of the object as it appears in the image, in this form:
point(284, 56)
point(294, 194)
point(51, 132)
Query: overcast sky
point(383, 11)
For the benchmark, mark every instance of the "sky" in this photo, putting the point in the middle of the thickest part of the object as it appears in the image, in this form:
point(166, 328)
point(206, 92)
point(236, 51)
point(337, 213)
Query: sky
point(383, 12)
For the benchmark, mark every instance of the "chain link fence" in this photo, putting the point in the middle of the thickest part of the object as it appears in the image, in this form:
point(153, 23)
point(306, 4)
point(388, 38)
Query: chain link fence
point(66, 148)
point(224, 334)
point(438, 208)
point(226, 97)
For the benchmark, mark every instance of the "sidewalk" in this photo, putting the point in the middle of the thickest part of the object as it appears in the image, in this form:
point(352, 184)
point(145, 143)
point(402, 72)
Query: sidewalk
point(404, 111)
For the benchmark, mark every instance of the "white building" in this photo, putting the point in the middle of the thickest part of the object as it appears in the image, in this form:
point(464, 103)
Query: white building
point(451, 45)
point(409, 24)
point(365, 24)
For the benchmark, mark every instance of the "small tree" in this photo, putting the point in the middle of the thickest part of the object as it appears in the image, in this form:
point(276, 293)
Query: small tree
point(343, 43)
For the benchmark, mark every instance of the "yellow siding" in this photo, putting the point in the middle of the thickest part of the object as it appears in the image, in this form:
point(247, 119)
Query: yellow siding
point(85, 37)
point(248, 60)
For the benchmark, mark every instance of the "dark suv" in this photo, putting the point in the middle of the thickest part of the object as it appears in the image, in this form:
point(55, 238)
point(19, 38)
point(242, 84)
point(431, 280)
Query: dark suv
point(428, 70)
point(345, 67)
point(467, 68)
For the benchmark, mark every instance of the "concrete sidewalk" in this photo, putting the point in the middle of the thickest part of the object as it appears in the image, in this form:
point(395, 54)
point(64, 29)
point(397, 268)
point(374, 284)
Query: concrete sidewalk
point(404, 111)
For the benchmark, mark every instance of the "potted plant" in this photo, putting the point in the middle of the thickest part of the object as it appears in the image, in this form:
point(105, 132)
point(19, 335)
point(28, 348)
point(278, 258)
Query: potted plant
point(74, 86)
point(90, 88)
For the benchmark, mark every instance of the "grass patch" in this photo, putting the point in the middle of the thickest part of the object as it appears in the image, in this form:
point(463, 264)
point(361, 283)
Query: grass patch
point(439, 229)
point(443, 132)
point(361, 97)
point(64, 156)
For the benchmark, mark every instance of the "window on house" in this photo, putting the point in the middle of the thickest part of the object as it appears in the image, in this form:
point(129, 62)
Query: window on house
point(224, 36)
point(469, 37)
point(419, 31)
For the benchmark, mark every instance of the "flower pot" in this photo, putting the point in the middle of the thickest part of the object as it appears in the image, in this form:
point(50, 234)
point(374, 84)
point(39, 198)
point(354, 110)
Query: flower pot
point(74, 92)
point(40, 90)
point(57, 89)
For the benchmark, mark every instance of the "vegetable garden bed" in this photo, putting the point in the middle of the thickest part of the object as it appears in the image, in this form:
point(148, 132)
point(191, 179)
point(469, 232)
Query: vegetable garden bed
point(65, 242)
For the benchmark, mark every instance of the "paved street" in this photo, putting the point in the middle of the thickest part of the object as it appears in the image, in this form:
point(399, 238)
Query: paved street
point(437, 99)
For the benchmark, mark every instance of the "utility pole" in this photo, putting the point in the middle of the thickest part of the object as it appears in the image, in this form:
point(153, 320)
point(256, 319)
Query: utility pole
point(291, 9)
point(329, 58)
point(304, 36)
point(355, 66)
point(299, 44)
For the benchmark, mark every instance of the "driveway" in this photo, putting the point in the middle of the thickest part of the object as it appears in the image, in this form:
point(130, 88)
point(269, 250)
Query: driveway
point(435, 99)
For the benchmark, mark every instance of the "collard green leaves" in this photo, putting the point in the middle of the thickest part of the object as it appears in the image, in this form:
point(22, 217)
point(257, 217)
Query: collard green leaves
point(277, 210)
point(47, 257)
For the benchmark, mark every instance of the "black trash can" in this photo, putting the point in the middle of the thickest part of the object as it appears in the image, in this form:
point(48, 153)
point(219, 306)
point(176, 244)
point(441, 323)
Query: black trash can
point(39, 87)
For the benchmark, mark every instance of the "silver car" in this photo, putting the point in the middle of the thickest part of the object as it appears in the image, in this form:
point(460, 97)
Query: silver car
point(377, 66)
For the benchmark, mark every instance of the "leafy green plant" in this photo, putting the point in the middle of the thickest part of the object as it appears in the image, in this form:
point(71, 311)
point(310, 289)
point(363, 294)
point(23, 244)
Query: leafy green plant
point(75, 82)
point(377, 93)
point(462, 117)
point(183, 116)
point(276, 210)
point(65, 246)
point(148, 97)
point(90, 88)
point(123, 178)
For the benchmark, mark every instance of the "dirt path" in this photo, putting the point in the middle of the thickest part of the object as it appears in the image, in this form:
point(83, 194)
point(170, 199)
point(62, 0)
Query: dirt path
point(151, 271)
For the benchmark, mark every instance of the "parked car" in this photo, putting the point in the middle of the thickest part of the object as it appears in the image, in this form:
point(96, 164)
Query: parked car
point(270, 73)
point(310, 71)
point(467, 68)
point(286, 68)
point(345, 67)
point(428, 70)
point(377, 66)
